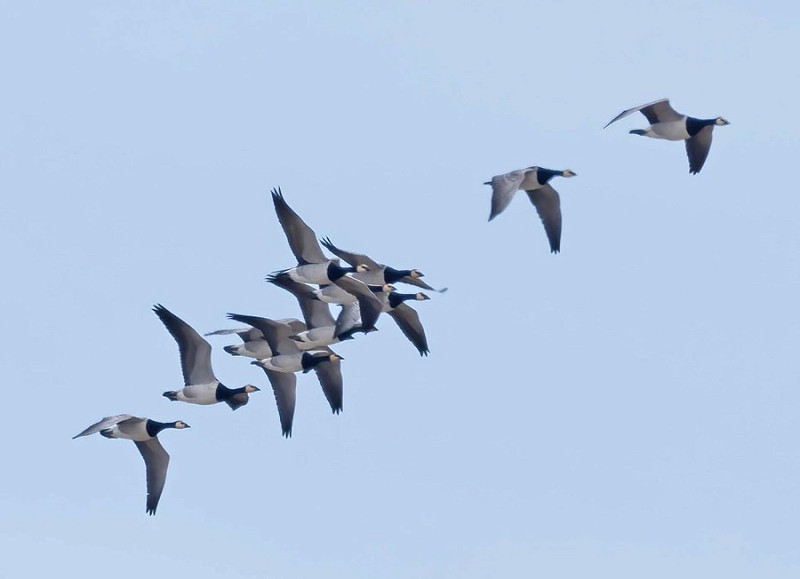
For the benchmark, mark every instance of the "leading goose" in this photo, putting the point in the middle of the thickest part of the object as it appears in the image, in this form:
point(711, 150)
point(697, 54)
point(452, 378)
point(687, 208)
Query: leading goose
point(535, 181)
point(667, 123)
point(201, 386)
point(144, 433)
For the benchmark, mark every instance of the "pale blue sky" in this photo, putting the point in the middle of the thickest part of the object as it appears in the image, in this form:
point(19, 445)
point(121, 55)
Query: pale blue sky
point(625, 409)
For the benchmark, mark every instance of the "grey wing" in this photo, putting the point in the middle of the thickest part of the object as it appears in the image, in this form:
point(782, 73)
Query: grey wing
point(368, 303)
point(302, 239)
point(697, 149)
point(195, 350)
point(656, 111)
point(504, 187)
point(548, 205)
point(330, 378)
point(156, 461)
point(348, 320)
point(353, 259)
point(246, 334)
point(106, 422)
point(407, 320)
point(284, 387)
point(277, 334)
point(316, 313)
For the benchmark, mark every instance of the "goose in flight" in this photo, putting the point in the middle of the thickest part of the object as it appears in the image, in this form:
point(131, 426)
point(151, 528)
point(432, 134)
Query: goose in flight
point(320, 330)
point(378, 274)
point(144, 434)
point(200, 384)
point(253, 343)
point(535, 182)
point(667, 123)
point(314, 267)
point(288, 360)
point(407, 318)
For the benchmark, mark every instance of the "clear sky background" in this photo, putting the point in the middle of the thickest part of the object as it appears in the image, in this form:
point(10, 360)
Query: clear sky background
point(626, 409)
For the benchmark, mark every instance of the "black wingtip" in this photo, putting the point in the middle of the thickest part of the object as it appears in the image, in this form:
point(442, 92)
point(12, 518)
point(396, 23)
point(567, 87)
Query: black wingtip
point(276, 193)
point(172, 395)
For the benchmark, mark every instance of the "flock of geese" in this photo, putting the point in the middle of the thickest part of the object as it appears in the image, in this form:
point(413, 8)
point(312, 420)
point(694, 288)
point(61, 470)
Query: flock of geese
point(364, 289)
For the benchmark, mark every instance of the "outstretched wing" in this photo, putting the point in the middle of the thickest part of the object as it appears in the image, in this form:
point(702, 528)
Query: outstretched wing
point(330, 378)
point(697, 148)
point(353, 259)
point(503, 189)
point(195, 350)
point(302, 239)
point(656, 112)
point(548, 205)
point(407, 320)
point(370, 306)
point(106, 422)
point(284, 387)
point(156, 461)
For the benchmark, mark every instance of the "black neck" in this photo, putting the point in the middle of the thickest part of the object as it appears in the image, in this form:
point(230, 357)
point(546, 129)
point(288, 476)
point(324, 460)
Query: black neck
point(392, 275)
point(395, 298)
point(694, 126)
point(153, 427)
point(308, 361)
point(337, 271)
point(224, 393)
point(544, 175)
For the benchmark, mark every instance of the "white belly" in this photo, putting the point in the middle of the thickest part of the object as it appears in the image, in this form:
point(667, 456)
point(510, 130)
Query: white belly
point(287, 363)
point(137, 431)
point(333, 294)
point(316, 338)
point(199, 394)
point(672, 130)
point(310, 273)
point(258, 349)
point(529, 183)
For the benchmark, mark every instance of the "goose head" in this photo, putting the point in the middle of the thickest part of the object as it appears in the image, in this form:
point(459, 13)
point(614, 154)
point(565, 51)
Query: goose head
point(567, 173)
point(719, 121)
point(180, 424)
point(416, 274)
point(362, 268)
point(249, 388)
point(421, 296)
